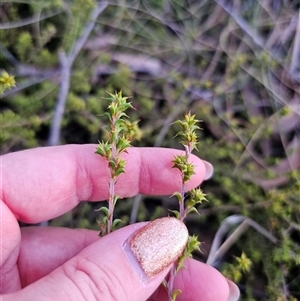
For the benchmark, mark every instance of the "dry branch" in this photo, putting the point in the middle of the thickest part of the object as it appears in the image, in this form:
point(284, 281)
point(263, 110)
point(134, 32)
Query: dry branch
point(66, 62)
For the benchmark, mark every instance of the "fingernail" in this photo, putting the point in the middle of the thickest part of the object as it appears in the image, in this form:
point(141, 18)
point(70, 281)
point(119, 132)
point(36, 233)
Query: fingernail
point(234, 292)
point(156, 246)
point(209, 170)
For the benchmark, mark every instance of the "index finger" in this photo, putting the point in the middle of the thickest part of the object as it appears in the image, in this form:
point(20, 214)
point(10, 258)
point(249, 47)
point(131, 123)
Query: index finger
point(43, 183)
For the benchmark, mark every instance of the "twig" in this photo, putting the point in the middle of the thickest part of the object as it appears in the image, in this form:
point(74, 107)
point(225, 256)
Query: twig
point(29, 83)
point(86, 31)
point(218, 250)
point(61, 100)
point(36, 18)
point(8, 55)
point(257, 39)
point(66, 67)
point(295, 62)
point(284, 285)
point(135, 208)
point(242, 24)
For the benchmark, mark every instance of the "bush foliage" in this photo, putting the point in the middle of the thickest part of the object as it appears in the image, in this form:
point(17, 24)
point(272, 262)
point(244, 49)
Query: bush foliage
point(235, 64)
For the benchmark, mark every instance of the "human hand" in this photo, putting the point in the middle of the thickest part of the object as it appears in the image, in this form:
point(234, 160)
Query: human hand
point(45, 263)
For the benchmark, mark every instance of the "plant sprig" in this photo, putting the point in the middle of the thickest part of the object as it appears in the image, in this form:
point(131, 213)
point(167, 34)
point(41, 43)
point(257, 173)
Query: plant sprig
point(6, 82)
point(120, 134)
point(188, 133)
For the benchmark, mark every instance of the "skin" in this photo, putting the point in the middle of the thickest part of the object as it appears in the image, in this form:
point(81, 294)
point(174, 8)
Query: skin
point(46, 263)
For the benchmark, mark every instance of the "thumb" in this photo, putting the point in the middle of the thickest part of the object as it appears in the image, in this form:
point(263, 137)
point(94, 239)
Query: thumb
point(128, 264)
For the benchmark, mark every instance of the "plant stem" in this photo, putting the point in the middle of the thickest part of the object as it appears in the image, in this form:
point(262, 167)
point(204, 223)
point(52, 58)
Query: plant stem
point(170, 284)
point(120, 134)
point(111, 205)
point(182, 212)
point(181, 162)
point(112, 182)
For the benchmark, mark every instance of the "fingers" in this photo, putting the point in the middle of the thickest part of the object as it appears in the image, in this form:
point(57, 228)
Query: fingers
point(198, 282)
point(209, 281)
point(43, 249)
point(101, 271)
point(10, 237)
point(104, 270)
point(42, 183)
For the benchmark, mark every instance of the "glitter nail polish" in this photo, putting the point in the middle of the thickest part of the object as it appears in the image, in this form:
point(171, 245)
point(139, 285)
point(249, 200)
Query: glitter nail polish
point(157, 245)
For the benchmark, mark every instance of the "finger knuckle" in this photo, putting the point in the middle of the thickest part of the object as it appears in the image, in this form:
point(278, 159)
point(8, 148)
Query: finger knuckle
point(94, 281)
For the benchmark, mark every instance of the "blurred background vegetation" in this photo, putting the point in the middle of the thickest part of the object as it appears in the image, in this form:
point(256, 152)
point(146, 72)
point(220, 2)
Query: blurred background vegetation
point(235, 64)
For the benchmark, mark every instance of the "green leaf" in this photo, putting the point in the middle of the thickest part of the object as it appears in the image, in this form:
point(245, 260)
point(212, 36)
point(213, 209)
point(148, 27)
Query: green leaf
point(176, 213)
point(120, 168)
point(6, 82)
point(104, 149)
point(244, 263)
point(164, 283)
point(192, 209)
point(104, 210)
point(116, 222)
point(116, 198)
point(131, 130)
point(106, 114)
point(193, 244)
point(177, 195)
point(175, 293)
point(188, 131)
point(180, 263)
point(188, 172)
point(112, 163)
point(122, 144)
point(197, 196)
point(179, 162)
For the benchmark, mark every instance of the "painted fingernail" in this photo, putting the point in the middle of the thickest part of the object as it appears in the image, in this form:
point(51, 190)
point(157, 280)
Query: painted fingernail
point(209, 170)
point(157, 245)
point(234, 292)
